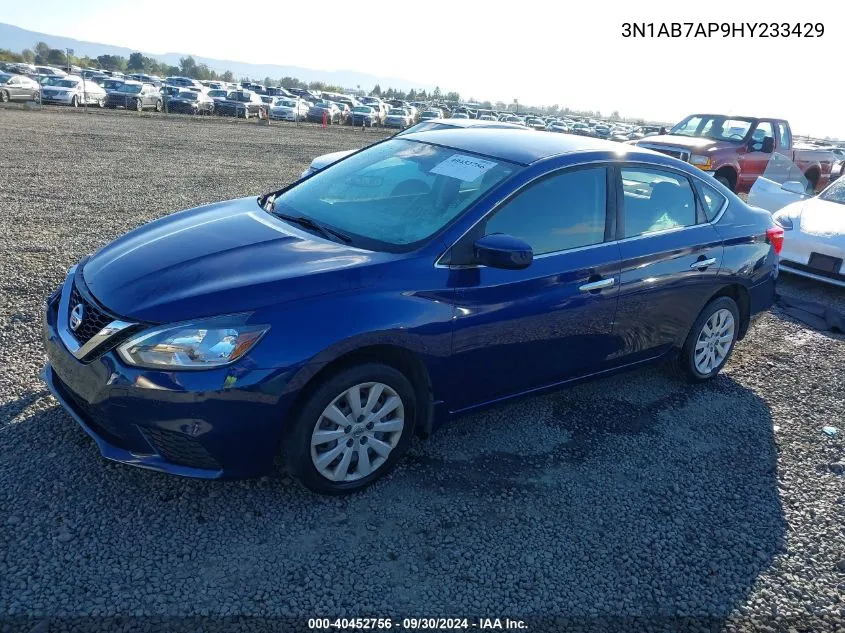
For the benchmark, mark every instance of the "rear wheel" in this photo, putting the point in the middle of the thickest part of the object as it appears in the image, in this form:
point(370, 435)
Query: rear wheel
point(711, 340)
point(4, 96)
point(139, 105)
point(101, 103)
point(352, 430)
point(74, 102)
point(158, 106)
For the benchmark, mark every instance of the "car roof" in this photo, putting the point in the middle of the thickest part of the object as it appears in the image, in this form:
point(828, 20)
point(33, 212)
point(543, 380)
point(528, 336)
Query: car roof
point(520, 148)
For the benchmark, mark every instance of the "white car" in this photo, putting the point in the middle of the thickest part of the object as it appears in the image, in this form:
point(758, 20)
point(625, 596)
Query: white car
point(73, 91)
point(286, 109)
point(814, 232)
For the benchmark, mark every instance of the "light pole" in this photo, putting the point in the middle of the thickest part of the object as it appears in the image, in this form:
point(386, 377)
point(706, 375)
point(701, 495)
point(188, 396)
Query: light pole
point(68, 53)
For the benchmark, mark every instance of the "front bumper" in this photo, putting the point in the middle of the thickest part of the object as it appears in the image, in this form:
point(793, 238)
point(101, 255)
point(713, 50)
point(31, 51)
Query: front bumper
point(217, 423)
point(285, 115)
point(798, 249)
point(60, 99)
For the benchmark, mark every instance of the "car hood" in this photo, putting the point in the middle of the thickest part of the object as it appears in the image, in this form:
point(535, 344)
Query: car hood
point(327, 159)
point(822, 218)
point(222, 258)
point(676, 140)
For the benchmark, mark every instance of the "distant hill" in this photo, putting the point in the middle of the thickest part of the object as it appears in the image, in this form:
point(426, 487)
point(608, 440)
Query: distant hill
point(17, 39)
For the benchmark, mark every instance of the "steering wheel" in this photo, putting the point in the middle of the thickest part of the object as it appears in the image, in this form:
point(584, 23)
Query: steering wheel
point(738, 137)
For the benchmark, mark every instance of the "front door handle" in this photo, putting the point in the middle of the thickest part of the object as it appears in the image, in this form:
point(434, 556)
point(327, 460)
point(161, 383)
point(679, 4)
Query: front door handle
point(703, 263)
point(601, 284)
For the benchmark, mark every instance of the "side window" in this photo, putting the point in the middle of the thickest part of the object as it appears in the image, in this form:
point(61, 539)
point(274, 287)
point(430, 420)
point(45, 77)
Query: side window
point(764, 129)
point(784, 140)
point(560, 212)
point(711, 200)
point(655, 200)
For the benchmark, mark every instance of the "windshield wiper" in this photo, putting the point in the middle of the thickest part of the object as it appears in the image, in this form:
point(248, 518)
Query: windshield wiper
point(308, 223)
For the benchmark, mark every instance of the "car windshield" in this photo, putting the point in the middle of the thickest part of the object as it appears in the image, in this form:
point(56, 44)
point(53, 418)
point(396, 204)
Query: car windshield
point(431, 113)
point(66, 83)
point(394, 194)
point(718, 127)
point(363, 109)
point(188, 95)
point(216, 93)
point(396, 112)
point(834, 193)
point(130, 88)
point(287, 103)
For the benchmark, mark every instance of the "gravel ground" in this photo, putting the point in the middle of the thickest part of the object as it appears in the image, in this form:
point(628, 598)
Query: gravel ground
point(635, 496)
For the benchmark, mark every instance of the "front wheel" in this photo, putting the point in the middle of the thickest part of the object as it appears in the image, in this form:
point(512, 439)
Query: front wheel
point(158, 106)
point(74, 102)
point(101, 103)
point(4, 96)
point(352, 430)
point(711, 340)
point(139, 105)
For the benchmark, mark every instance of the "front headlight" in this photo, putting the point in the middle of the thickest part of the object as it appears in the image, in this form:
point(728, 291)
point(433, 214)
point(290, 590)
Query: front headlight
point(199, 344)
point(783, 220)
point(702, 162)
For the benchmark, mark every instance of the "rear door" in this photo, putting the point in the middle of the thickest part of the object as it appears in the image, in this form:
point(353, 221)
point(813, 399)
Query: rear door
point(670, 258)
point(516, 330)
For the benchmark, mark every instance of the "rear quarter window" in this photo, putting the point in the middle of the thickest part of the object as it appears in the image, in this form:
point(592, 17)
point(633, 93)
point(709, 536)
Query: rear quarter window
point(711, 200)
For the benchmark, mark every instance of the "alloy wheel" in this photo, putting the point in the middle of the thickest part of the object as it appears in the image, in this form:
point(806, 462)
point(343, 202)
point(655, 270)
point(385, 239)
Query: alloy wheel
point(714, 341)
point(357, 431)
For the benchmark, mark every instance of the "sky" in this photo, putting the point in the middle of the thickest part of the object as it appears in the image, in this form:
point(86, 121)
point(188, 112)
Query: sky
point(541, 53)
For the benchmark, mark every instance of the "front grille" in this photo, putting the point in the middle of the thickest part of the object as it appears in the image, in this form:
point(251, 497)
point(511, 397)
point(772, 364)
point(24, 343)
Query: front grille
point(674, 153)
point(178, 448)
point(93, 319)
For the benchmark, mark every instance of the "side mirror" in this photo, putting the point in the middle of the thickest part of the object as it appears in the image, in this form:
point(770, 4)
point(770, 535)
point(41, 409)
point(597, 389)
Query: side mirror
point(502, 251)
point(794, 186)
point(768, 145)
point(663, 131)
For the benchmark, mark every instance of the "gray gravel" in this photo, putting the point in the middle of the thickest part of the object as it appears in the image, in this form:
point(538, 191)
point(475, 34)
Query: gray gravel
point(637, 495)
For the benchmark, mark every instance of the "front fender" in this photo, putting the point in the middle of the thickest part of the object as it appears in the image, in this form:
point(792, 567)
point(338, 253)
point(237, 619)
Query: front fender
point(308, 335)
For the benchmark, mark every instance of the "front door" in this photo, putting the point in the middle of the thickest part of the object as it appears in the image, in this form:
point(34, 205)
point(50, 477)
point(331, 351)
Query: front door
point(755, 161)
point(516, 330)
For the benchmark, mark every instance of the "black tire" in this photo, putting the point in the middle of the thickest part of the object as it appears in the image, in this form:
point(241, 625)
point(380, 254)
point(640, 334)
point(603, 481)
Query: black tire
point(246, 113)
point(74, 102)
point(101, 103)
point(4, 96)
point(298, 445)
point(139, 105)
point(686, 360)
point(725, 182)
point(158, 106)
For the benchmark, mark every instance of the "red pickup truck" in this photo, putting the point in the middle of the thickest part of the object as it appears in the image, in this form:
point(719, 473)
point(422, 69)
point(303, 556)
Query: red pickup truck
point(736, 150)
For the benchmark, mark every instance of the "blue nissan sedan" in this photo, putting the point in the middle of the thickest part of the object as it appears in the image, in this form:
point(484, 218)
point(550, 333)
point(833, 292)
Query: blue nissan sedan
point(415, 280)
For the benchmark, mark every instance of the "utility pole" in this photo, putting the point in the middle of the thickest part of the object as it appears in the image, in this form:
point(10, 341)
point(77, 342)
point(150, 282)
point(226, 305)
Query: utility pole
point(68, 53)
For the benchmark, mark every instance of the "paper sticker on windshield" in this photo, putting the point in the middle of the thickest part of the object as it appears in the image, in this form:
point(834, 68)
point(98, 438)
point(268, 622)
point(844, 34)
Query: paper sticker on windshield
point(463, 167)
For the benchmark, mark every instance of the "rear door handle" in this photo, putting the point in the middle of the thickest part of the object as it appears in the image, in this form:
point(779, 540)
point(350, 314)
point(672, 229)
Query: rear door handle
point(704, 263)
point(601, 284)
